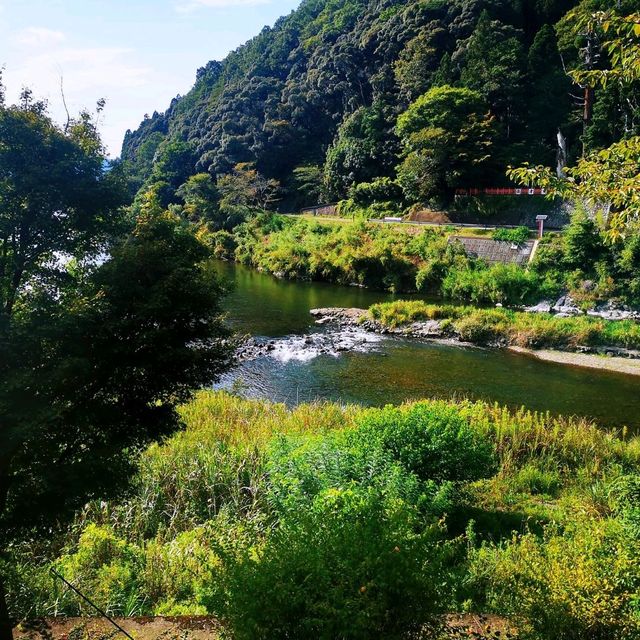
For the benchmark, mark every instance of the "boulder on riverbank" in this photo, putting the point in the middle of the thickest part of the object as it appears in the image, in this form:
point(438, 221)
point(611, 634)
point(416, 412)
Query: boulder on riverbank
point(565, 307)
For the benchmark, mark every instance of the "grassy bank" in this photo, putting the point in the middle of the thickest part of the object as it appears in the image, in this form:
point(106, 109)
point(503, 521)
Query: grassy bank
point(394, 258)
point(405, 259)
point(521, 329)
point(325, 521)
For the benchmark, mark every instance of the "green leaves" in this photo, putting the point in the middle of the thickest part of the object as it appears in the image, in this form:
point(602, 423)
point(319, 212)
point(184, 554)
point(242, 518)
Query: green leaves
point(446, 134)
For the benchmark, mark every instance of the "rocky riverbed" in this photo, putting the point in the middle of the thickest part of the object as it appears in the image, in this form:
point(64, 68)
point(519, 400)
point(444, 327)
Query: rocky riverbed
point(565, 307)
point(351, 317)
point(302, 348)
point(433, 330)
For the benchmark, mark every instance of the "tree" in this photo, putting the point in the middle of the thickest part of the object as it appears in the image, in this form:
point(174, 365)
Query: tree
point(493, 66)
point(446, 136)
point(549, 103)
point(105, 324)
point(363, 149)
point(607, 180)
point(420, 60)
point(246, 187)
point(310, 183)
point(200, 198)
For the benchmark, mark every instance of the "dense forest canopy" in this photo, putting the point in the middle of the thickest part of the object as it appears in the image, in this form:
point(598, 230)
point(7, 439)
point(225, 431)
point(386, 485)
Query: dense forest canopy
point(313, 102)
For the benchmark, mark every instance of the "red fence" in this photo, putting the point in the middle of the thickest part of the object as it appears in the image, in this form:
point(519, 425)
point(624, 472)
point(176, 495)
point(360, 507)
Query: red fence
point(500, 191)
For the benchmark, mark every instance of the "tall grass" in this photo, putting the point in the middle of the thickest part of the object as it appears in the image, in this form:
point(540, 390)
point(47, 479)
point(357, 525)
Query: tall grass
point(279, 519)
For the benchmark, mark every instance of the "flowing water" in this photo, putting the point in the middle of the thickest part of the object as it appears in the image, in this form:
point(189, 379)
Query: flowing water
point(307, 362)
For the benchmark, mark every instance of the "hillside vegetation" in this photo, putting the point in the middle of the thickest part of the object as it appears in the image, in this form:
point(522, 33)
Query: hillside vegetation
point(342, 522)
point(386, 101)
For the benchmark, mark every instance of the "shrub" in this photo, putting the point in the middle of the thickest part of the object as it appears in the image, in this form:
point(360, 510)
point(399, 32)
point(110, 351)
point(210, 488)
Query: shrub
point(105, 567)
point(432, 440)
point(482, 326)
point(379, 190)
point(223, 244)
point(624, 497)
point(504, 283)
point(533, 479)
point(353, 565)
point(581, 583)
point(519, 235)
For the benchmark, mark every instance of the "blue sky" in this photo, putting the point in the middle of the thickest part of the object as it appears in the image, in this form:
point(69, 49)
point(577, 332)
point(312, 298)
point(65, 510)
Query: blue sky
point(138, 54)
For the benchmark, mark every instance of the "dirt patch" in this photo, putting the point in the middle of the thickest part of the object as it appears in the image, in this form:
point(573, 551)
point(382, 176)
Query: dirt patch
point(141, 628)
point(429, 215)
point(456, 627)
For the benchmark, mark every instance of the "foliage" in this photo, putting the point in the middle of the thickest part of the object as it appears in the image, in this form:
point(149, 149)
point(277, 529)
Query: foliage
point(324, 86)
point(431, 441)
point(607, 180)
point(519, 328)
point(498, 283)
point(380, 190)
point(106, 323)
point(359, 523)
point(519, 235)
point(446, 135)
point(573, 584)
point(354, 564)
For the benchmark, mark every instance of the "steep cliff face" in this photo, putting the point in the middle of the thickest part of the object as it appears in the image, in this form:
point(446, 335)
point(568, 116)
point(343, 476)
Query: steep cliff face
point(324, 87)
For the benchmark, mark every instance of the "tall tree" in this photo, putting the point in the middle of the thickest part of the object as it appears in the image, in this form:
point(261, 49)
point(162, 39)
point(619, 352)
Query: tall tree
point(493, 65)
point(105, 324)
point(446, 134)
point(607, 180)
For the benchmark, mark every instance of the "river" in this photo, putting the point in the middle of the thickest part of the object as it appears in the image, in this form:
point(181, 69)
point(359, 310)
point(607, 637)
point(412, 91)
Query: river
point(308, 362)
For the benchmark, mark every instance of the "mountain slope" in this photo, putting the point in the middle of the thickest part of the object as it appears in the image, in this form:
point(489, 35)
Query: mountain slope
point(324, 87)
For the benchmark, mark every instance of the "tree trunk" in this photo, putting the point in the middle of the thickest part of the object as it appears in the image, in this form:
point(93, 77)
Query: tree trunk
point(5, 623)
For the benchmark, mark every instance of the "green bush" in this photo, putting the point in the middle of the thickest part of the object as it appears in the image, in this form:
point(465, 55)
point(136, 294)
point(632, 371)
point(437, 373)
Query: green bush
point(432, 440)
point(571, 585)
point(482, 326)
point(352, 565)
point(519, 235)
point(379, 190)
point(531, 478)
point(503, 283)
point(104, 566)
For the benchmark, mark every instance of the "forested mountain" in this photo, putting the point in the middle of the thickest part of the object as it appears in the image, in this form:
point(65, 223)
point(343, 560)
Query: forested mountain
point(438, 94)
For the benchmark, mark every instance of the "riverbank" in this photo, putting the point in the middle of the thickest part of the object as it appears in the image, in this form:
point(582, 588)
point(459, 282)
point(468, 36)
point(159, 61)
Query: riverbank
point(578, 341)
point(628, 366)
point(294, 522)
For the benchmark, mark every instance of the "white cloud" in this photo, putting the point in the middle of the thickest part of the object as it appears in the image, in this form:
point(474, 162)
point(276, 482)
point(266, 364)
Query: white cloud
point(185, 6)
point(89, 74)
point(39, 37)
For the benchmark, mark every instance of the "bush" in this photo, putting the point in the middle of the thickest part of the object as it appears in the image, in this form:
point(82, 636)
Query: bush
point(503, 283)
point(432, 440)
point(581, 583)
point(482, 326)
point(519, 235)
point(533, 479)
point(353, 565)
point(105, 567)
point(223, 245)
point(379, 190)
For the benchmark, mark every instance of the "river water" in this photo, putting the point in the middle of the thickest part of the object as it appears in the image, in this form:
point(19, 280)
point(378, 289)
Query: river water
point(308, 362)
